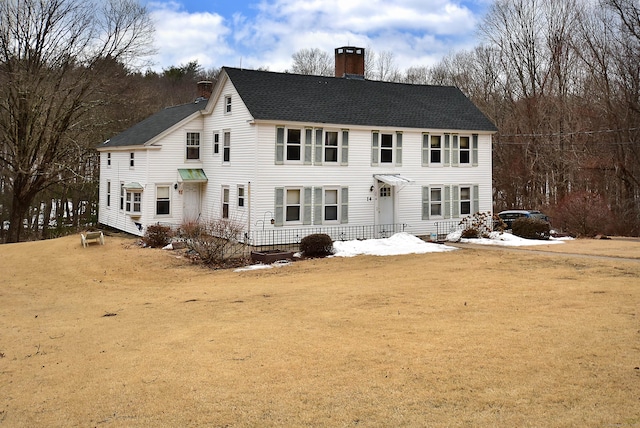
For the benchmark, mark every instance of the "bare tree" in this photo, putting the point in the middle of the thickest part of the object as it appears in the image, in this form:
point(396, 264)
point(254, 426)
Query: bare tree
point(53, 55)
point(313, 61)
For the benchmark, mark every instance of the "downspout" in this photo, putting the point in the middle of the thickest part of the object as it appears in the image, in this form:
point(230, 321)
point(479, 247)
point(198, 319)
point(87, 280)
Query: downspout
point(249, 208)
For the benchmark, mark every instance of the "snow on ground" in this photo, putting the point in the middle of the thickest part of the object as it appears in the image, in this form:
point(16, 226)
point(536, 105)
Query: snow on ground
point(400, 243)
point(405, 243)
point(504, 239)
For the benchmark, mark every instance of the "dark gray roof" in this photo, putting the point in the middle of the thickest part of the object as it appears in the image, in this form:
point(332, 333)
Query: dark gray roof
point(316, 99)
point(144, 131)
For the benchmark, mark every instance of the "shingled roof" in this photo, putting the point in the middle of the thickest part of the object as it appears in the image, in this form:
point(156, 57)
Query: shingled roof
point(343, 101)
point(155, 124)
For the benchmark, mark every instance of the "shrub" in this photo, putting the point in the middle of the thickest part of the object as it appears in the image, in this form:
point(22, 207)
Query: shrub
point(157, 236)
point(583, 214)
point(316, 245)
point(476, 226)
point(216, 242)
point(531, 228)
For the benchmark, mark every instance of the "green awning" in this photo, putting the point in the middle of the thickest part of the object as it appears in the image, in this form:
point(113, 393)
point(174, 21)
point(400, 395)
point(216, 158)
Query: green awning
point(192, 175)
point(134, 186)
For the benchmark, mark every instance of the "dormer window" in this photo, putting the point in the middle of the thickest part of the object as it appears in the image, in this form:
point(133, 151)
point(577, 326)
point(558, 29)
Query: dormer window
point(227, 104)
point(193, 145)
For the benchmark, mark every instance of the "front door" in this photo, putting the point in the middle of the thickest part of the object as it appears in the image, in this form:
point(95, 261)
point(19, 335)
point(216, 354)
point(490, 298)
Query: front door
point(191, 202)
point(385, 204)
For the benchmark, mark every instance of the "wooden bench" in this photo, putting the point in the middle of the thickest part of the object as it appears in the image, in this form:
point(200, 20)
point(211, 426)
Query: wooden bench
point(95, 236)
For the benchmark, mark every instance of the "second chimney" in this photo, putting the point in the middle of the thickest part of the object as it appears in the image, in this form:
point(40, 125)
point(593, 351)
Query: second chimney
point(350, 62)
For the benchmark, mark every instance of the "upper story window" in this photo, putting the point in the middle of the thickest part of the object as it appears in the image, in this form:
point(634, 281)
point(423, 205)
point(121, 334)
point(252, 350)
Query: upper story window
point(331, 146)
point(386, 148)
point(227, 104)
point(109, 159)
point(193, 145)
point(435, 149)
point(465, 150)
point(293, 144)
point(108, 193)
point(216, 143)
point(226, 148)
point(132, 160)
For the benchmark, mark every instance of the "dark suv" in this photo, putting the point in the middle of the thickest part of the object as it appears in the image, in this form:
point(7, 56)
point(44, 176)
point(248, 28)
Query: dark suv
point(508, 217)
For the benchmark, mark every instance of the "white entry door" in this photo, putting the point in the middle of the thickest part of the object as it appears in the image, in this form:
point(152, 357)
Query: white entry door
point(190, 202)
point(385, 204)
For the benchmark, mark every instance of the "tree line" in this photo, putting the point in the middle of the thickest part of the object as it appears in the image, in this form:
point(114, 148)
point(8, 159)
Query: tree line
point(560, 78)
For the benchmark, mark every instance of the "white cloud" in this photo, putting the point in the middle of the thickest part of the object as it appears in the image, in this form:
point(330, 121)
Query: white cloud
point(418, 32)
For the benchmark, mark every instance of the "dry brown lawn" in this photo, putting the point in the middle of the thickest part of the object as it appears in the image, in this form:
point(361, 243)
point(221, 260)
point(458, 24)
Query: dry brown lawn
point(121, 336)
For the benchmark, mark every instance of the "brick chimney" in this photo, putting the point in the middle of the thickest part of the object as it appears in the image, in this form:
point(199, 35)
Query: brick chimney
point(350, 62)
point(205, 88)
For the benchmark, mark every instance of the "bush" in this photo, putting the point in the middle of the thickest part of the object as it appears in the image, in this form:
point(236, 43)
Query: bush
point(531, 228)
point(583, 214)
point(157, 236)
point(216, 242)
point(476, 226)
point(316, 245)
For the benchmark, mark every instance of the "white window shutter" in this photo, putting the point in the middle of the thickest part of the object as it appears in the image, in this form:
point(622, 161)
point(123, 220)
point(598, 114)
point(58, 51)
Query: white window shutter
point(447, 201)
point(344, 206)
point(456, 201)
point(425, 149)
point(279, 206)
point(374, 148)
point(279, 146)
point(447, 149)
point(399, 149)
point(425, 203)
point(344, 159)
point(308, 146)
point(476, 199)
point(455, 151)
point(318, 153)
point(474, 150)
point(307, 206)
point(317, 203)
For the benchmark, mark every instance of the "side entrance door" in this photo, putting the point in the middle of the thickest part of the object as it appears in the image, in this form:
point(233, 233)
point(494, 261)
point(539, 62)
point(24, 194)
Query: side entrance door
point(191, 202)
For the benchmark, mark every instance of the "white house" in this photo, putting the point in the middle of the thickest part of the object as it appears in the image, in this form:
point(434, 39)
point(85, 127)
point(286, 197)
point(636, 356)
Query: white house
point(294, 153)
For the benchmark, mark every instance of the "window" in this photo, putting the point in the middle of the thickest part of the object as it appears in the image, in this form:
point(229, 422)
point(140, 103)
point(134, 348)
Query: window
point(435, 204)
point(108, 193)
point(133, 202)
point(108, 159)
point(465, 200)
point(227, 104)
point(293, 144)
point(386, 148)
point(331, 205)
point(435, 149)
point(240, 196)
point(292, 205)
point(122, 195)
point(331, 146)
point(163, 203)
point(193, 145)
point(132, 160)
point(226, 149)
point(465, 150)
point(216, 143)
point(225, 202)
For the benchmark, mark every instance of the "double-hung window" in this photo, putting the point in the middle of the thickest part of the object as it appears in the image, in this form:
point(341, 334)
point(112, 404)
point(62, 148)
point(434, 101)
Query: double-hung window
point(132, 160)
point(193, 145)
point(293, 144)
point(435, 202)
point(122, 192)
point(465, 150)
point(330, 205)
point(163, 201)
point(293, 205)
point(227, 104)
point(240, 196)
point(225, 202)
point(435, 149)
point(386, 148)
point(108, 193)
point(331, 146)
point(216, 143)
point(226, 148)
point(465, 200)
point(109, 159)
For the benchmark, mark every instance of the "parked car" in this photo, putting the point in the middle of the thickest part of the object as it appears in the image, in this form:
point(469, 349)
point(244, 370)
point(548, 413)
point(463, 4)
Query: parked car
point(509, 216)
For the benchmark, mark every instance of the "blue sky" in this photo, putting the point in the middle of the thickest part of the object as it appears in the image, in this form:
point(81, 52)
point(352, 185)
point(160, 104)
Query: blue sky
point(265, 33)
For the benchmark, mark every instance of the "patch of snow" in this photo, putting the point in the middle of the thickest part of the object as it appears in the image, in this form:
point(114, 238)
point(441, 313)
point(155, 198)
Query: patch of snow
point(168, 247)
point(504, 239)
point(260, 266)
point(399, 243)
